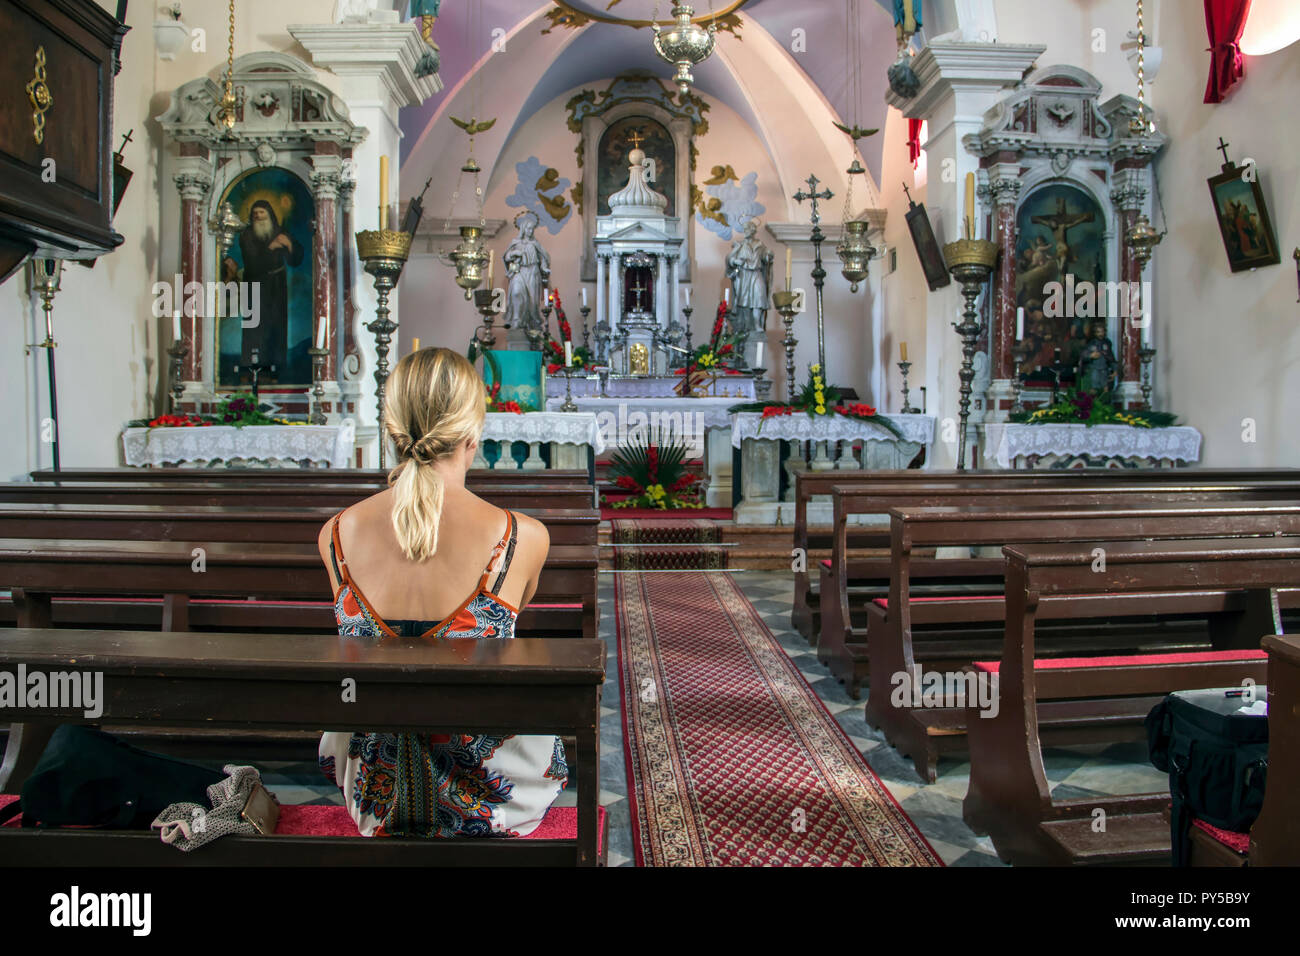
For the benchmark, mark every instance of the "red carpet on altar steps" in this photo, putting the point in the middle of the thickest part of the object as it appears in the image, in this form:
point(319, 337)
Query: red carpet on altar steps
point(667, 544)
point(732, 759)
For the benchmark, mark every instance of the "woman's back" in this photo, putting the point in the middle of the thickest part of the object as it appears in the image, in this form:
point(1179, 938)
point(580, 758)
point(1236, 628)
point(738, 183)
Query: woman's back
point(428, 559)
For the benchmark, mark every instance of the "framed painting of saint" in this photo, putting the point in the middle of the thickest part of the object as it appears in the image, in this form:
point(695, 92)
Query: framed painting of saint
point(272, 254)
point(1243, 219)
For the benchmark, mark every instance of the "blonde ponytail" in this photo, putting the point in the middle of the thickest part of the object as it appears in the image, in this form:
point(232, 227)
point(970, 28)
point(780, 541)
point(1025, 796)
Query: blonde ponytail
point(434, 402)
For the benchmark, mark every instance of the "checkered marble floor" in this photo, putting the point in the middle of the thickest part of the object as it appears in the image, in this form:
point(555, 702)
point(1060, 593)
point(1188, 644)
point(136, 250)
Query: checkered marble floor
point(1074, 773)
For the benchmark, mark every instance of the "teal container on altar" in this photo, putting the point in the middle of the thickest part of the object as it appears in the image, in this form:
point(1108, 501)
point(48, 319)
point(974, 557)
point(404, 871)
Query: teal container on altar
point(521, 377)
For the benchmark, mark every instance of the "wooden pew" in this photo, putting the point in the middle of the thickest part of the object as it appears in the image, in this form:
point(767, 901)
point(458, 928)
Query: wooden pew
point(361, 476)
point(845, 611)
point(243, 682)
point(805, 615)
point(1009, 797)
point(1275, 837)
point(270, 494)
point(213, 523)
point(946, 633)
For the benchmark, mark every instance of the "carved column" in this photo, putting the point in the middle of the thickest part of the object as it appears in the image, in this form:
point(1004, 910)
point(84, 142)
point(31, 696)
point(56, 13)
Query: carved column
point(193, 185)
point(1004, 192)
point(326, 184)
point(1129, 193)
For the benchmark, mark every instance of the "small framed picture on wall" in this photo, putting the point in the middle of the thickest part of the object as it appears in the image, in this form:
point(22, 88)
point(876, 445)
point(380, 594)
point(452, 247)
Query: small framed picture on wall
point(1243, 218)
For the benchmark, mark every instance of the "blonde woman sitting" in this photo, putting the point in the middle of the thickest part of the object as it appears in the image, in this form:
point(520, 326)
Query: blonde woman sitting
point(428, 559)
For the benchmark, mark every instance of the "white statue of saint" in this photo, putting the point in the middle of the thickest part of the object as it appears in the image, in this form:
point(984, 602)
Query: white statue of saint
point(749, 267)
point(529, 269)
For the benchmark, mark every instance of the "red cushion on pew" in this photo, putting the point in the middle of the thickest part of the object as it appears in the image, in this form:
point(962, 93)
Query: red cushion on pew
point(884, 601)
point(560, 823)
point(826, 562)
point(1237, 842)
point(1134, 660)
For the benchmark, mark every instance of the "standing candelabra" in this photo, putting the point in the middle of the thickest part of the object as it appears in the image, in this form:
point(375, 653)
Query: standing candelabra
point(586, 311)
point(686, 311)
point(484, 302)
point(317, 414)
point(971, 263)
point(784, 301)
point(568, 372)
point(537, 336)
point(384, 254)
point(1020, 352)
point(907, 408)
point(1145, 355)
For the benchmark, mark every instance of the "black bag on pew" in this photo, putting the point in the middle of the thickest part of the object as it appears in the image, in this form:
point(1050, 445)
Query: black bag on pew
point(88, 778)
point(1216, 757)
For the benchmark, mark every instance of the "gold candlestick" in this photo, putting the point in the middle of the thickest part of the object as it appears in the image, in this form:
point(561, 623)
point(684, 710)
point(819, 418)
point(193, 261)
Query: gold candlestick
point(384, 253)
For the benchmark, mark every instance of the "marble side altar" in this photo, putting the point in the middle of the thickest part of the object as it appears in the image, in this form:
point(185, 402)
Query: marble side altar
point(1090, 446)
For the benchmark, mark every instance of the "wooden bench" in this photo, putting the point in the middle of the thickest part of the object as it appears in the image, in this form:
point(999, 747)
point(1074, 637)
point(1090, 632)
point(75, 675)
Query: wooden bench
point(805, 615)
point(1275, 837)
point(280, 495)
point(242, 681)
point(946, 633)
point(1009, 797)
point(296, 476)
point(569, 526)
point(848, 588)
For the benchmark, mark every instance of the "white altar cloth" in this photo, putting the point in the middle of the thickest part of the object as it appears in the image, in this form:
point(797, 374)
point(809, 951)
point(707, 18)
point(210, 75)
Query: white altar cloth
point(802, 427)
point(275, 445)
point(1008, 441)
point(618, 415)
point(564, 428)
point(661, 386)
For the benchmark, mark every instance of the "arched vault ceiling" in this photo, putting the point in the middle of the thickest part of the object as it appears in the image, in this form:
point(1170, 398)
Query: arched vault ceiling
point(601, 51)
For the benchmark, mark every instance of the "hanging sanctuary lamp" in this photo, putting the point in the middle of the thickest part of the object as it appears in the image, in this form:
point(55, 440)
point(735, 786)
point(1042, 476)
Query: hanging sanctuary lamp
point(685, 43)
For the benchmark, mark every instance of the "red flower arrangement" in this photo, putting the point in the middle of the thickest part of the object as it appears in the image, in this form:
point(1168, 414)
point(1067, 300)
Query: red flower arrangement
point(178, 421)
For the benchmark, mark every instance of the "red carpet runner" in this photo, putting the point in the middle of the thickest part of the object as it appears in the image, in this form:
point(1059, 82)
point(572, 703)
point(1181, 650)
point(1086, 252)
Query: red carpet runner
point(667, 544)
point(732, 759)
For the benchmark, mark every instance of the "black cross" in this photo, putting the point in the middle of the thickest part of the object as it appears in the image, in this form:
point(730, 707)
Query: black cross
point(908, 193)
point(814, 195)
point(125, 139)
point(1224, 147)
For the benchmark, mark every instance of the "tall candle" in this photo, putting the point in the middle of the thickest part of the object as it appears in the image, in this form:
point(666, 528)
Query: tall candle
point(546, 295)
point(176, 326)
point(687, 291)
point(584, 296)
point(789, 260)
point(320, 333)
point(726, 297)
point(415, 344)
point(1020, 323)
point(902, 351)
point(491, 263)
point(568, 354)
point(758, 355)
point(970, 205)
point(383, 192)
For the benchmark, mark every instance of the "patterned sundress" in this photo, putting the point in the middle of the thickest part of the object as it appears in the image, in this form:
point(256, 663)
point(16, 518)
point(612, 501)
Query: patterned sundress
point(441, 785)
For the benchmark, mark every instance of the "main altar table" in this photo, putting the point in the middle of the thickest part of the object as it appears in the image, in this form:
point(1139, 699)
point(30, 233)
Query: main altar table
point(759, 442)
point(276, 446)
point(569, 435)
point(1053, 445)
point(641, 386)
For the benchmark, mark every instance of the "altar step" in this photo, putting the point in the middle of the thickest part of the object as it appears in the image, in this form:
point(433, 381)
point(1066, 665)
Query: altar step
point(749, 547)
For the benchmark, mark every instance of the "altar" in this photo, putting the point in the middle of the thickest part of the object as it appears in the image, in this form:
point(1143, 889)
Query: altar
point(1056, 445)
point(269, 446)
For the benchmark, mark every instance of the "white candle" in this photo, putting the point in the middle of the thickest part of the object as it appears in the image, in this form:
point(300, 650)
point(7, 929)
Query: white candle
point(176, 326)
point(758, 355)
point(726, 297)
point(584, 296)
point(320, 333)
point(546, 295)
point(1020, 323)
point(686, 290)
point(568, 354)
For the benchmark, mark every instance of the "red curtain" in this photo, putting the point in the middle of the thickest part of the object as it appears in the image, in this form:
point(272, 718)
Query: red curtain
point(914, 140)
point(1224, 21)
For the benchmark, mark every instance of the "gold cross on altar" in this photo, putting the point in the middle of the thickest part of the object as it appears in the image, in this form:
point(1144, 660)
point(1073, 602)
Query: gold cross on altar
point(635, 138)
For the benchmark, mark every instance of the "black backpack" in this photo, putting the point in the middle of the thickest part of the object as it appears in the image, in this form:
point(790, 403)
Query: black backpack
point(88, 778)
point(1216, 758)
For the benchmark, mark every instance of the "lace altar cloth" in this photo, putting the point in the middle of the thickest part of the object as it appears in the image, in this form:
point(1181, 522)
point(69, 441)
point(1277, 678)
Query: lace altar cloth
point(801, 427)
point(691, 415)
point(655, 386)
point(1008, 441)
point(275, 445)
point(564, 428)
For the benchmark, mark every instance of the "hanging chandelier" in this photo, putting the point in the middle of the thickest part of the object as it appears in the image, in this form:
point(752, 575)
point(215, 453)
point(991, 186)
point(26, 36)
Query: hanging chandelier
point(685, 43)
point(226, 113)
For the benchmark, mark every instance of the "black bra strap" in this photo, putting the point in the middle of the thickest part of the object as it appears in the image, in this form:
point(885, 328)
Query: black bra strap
point(510, 553)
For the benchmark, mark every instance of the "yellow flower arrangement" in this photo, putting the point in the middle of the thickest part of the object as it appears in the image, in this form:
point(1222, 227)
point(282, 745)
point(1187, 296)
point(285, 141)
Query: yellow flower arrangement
point(708, 360)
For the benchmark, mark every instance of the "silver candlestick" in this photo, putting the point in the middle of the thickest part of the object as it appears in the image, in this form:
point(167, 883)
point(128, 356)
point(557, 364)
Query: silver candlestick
point(586, 311)
point(1020, 352)
point(317, 415)
point(784, 303)
point(1145, 355)
point(567, 371)
point(907, 408)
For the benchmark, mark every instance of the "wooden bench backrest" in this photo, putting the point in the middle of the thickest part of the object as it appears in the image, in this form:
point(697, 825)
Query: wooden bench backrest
point(363, 476)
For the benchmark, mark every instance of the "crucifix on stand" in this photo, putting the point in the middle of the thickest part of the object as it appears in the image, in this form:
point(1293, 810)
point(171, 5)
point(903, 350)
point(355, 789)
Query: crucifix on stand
point(255, 367)
point(818, 273)
point(638, 289)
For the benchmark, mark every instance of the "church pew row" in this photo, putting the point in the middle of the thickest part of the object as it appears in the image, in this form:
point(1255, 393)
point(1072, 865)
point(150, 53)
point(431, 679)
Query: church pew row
point(296, 476)
point(241, 681)
point(845, 610)
point(805, 615)
point(519, 494)
point(1275, 837)
point(1009, 797)
point(946, 633)
point(214, 523)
